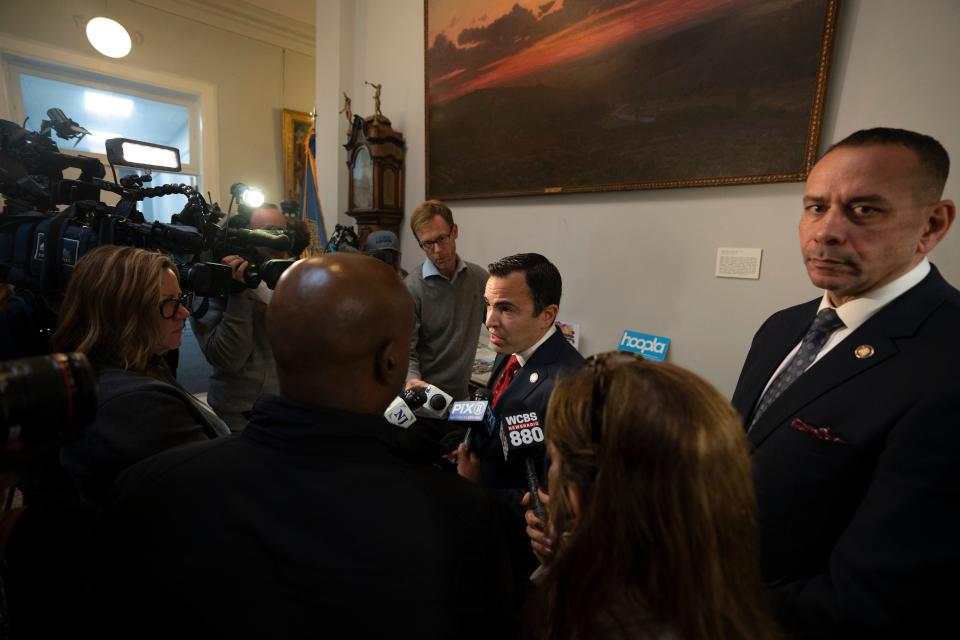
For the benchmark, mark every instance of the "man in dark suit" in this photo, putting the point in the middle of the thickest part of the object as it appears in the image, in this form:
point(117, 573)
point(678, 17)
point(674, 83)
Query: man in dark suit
point(522, 298)
point(852, 403)
point(320, 519)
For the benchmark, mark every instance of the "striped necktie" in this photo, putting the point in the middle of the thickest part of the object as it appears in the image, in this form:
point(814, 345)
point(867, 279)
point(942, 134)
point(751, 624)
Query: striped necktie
point(826, 322)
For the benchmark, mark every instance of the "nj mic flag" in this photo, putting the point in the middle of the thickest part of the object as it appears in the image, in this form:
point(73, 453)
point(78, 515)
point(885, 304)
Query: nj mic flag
point(310, 208)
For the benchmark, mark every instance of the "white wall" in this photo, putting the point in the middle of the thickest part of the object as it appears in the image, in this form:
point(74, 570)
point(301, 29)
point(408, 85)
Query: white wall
point(254, 80)
point(644, 260)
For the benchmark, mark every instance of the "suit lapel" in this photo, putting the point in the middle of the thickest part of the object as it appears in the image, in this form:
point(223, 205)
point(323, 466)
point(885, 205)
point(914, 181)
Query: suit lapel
point(901, 318)
point(839, 365)
point(534, 373)
point(761, 370)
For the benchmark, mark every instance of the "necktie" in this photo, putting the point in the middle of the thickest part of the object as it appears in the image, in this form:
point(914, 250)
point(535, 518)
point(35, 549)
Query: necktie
point(513, 365)
point(826, 322)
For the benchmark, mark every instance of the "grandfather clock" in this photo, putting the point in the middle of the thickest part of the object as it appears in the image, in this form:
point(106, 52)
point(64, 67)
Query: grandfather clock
point(375, 154)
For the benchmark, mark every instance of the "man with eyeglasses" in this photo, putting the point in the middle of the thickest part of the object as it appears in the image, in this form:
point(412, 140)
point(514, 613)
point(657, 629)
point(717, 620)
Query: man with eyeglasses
point(232, 336)
point(448, 304)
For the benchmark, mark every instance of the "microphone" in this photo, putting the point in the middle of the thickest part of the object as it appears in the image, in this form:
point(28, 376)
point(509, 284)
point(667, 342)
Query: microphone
point(437, 402)
point(521, 434)
point(474, 411)
point(63, 126)
point(400, 411)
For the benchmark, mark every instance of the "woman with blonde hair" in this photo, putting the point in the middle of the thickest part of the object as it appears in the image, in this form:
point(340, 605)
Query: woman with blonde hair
point(652, 516)
point(123, 308)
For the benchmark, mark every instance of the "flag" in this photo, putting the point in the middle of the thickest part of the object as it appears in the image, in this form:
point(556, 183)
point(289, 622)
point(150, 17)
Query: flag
point(310, 210)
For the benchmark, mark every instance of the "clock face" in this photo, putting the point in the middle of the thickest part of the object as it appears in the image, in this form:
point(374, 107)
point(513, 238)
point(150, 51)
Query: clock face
point(362, 180)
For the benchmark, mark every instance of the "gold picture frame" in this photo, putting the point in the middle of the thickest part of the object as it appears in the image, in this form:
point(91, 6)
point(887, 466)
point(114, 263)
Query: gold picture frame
point(554, 98)
point(296, 128)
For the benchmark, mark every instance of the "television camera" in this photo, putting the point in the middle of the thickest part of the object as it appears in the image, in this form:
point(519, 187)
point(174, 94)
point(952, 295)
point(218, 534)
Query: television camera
point(40, 242)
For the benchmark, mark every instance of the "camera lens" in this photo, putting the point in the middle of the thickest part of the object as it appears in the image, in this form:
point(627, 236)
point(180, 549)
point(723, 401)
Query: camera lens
point(45, 396)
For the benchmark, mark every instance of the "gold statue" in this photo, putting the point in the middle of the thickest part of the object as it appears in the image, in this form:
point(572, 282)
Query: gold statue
point(377, 114)
point(346, 109)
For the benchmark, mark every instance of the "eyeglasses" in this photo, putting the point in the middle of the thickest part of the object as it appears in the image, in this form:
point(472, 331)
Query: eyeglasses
point(428, 245)
point(601, 364)
point(169, 308)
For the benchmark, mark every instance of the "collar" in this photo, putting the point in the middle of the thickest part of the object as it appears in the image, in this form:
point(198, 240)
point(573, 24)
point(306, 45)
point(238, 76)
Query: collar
point(525, 355)
point(295, 427)
point(858, 311)
point(429, 270)
point(271, 409)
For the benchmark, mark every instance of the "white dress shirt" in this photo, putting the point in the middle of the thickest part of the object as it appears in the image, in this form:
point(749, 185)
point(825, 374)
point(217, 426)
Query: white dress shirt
point(857, 311)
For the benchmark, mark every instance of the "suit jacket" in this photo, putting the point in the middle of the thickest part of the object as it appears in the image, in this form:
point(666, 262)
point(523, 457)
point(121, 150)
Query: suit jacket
point(856, 469)
point(531, 387)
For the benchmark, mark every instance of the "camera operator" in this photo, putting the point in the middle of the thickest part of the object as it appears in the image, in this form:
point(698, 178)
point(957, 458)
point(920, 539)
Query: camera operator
point(123, 308)
point(233, 337)
point(384, 245)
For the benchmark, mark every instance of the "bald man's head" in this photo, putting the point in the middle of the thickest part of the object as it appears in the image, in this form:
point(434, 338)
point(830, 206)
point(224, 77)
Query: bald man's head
point(340, 328)
point(268, 215)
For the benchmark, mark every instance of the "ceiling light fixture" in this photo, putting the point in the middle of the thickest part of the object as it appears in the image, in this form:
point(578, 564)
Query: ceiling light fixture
point(108, 37)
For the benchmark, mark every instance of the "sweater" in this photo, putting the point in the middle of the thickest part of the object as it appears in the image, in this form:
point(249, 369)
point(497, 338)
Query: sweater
point(448, 315)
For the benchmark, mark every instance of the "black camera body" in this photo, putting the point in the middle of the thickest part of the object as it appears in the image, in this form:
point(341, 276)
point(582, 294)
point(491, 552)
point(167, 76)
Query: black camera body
point(40, 245)
point(244, 242)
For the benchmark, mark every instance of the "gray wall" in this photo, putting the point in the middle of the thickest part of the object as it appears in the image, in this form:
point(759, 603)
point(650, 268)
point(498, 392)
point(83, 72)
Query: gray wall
point(645, 260)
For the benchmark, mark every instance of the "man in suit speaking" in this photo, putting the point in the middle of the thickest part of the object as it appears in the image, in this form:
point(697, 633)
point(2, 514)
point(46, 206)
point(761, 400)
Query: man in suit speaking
point(852, 402)
point(522, 298)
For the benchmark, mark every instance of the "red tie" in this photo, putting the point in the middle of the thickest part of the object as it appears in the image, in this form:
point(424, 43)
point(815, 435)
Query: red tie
point(513, 365)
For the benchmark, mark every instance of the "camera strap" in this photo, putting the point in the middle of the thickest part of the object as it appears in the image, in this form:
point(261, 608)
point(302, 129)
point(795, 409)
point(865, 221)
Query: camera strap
point(202, 309)
point(49, 277)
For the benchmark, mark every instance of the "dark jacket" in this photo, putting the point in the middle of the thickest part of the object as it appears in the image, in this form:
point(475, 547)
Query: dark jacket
point(529, 390)
point(312, 523)
point(137, 416)
point(856, 470)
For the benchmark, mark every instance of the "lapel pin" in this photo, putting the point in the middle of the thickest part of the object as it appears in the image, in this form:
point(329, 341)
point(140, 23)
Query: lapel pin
point(534, 377)
point(864, 351)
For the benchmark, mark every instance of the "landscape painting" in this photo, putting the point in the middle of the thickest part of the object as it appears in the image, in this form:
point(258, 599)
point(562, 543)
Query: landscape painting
point(530, 97)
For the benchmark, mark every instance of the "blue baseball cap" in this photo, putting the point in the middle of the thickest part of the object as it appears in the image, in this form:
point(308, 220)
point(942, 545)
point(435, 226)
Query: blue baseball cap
point(382, 240)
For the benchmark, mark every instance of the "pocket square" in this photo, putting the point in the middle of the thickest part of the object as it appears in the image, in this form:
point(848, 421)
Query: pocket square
point(821, 433)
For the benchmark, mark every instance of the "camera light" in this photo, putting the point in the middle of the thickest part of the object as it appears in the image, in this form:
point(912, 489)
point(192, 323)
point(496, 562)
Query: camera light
point(108, 37)
point(247, 196)
point(106, 104)
point(252, 197)
point(155, 156)
point(134, 153)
